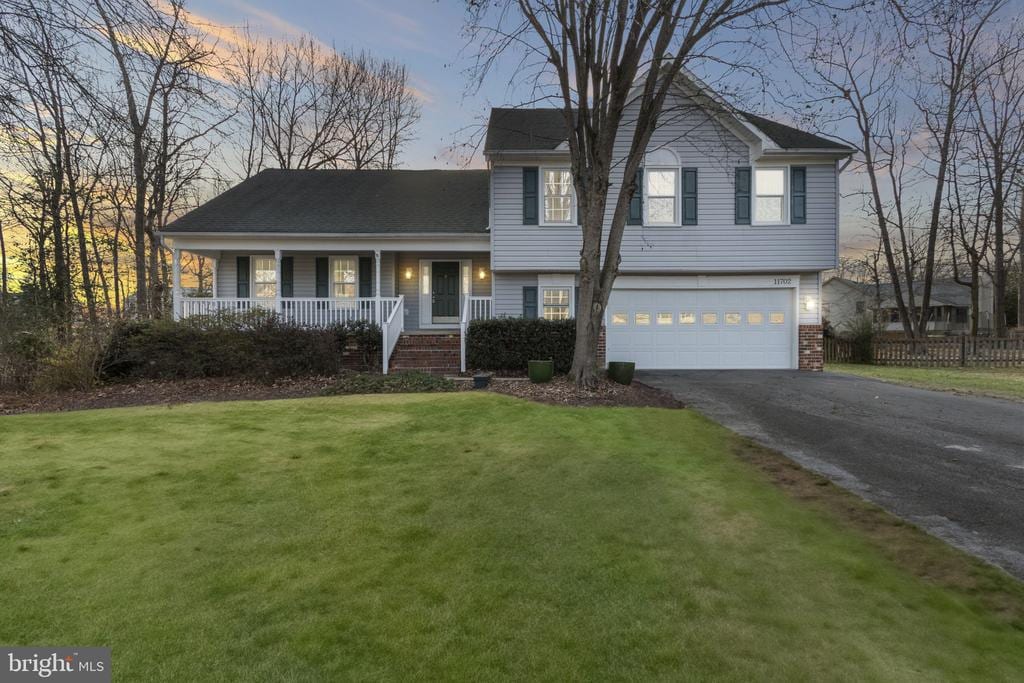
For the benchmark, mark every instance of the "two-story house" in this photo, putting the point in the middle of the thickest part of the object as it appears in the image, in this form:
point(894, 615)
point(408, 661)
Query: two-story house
point(721, 259)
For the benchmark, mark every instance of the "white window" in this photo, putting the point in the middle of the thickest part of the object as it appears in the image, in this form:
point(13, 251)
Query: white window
point(770, 195)
point(344, 277)
point(776, 317)
point(709, 318)
point(662, 194)
point(733, 318)
point(642, 319)
point(556, 303)
point(264, 271)
point(619, 318)
point(687, 318)
point(755, 318)
point(558, 198)
point(664, 318)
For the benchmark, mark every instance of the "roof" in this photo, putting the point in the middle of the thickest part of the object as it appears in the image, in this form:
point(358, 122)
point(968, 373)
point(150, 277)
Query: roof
point(544, 129)
point(788, 137)
point(345, 201)
point(943, 293)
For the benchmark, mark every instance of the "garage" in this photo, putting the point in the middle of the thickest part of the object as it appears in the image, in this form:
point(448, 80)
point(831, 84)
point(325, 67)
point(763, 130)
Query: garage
point(702, 328)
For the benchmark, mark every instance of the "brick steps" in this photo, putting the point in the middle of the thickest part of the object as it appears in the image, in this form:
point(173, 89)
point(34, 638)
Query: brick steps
point(434, 353)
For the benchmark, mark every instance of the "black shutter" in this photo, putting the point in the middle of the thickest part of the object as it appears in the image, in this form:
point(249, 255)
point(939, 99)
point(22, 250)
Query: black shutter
point(689, 196)
point(287, 276)
point(530, 193)
point(242, 280)
point(365, 276)
point(798, 194)
point(323, 274)
point(636, 203)
point(530, 302)
point(743, 196)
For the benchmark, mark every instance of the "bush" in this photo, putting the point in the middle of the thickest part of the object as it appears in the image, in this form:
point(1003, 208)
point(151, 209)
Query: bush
point(508, 344)
point(412, 381)
point(860, 333)
point(76, 364)
point(255, 344)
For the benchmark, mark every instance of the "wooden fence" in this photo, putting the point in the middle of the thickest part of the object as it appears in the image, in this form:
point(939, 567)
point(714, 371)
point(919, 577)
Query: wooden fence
point(978, 352)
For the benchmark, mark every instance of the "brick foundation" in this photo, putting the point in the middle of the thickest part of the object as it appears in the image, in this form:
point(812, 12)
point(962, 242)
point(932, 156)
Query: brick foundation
point(811, 348)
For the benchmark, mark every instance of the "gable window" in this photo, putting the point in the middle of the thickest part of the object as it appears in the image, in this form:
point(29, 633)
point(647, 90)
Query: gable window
point(264, 272)
point(344, 277)
point(770, 195)
point(556, 303)
point(662, 187)
point(558, 199)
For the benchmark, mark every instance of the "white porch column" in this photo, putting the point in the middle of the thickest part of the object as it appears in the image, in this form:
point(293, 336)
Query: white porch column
point(176, 302)
point(277, 281)
point(216, 271)
point(376, 286)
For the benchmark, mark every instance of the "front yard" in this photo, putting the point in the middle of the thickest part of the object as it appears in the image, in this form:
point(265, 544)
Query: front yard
point(467, 536)
point(998, 382)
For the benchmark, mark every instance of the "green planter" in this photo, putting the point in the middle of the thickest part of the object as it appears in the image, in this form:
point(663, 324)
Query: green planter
point(621, 371)
point(541, 371)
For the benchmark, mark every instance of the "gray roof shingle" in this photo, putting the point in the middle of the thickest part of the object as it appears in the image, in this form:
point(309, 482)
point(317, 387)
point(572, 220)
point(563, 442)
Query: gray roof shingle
point(343, 201)
point(544, 129)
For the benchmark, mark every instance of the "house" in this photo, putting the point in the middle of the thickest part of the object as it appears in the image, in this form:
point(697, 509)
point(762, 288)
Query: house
point(843, 301)
point(721, 259)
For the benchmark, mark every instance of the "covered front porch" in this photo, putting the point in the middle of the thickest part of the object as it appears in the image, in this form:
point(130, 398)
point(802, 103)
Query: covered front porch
point(398, 289)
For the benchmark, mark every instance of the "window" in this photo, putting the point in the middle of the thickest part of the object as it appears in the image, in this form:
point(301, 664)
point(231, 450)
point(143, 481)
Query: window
point(556, 303)
point(344, 271)
point(770, 195)
point(687, 318)
point(662, 189)
point(642, 319)
point(860, 305)
point(264, 276)
point(754, 318)
point(664, 318)
point(709, 318)
point(619, 318)
point(557, 195)
point(733, 318)
point(776, 318)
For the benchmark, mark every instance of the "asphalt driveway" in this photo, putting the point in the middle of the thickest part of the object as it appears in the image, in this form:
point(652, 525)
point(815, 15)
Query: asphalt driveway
point(951, 464)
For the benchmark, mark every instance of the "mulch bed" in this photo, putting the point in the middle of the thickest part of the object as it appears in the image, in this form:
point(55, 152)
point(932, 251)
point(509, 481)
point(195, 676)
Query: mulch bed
point(562, 391)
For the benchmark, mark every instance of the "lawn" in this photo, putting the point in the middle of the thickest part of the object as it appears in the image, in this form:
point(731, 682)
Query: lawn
point(998, 382)
point(459, 536)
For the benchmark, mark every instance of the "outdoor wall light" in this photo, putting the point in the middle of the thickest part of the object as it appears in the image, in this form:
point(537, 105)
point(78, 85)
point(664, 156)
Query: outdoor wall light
point(482, 274)
point(408, 273)
point(810, 303)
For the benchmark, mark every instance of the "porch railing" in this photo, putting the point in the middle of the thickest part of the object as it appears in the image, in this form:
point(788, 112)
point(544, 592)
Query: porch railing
point(474, 308)
point(391, 330)
point(307, 312)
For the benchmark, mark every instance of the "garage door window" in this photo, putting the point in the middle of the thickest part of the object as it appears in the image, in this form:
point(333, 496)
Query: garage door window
point(686, 318)
point(733, 318)
point(709, 318)
point(776, 318)
point(619, 318)
point(664, 318)
point(642, 319)
point(556, 303)
point(755, 318)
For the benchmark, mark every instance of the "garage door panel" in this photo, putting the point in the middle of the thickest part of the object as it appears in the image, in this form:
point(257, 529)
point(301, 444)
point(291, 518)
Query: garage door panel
point(717, 329)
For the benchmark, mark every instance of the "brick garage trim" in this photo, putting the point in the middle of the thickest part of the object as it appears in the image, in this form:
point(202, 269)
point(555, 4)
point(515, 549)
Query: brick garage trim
point(602, 360)
point(811, 348)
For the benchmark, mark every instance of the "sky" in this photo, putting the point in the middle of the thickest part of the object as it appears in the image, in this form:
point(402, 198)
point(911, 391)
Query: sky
point(425, 35)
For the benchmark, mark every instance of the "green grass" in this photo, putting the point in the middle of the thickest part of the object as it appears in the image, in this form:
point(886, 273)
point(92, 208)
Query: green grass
point(453, 536)
point(998, 382)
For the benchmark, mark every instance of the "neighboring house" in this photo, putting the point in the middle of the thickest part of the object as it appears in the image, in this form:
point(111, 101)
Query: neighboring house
point(721, 258)
point(844, 301)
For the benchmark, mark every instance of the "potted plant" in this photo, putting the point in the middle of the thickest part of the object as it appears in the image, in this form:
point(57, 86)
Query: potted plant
point(621, 371)
point(541, 371)
point(481, 380)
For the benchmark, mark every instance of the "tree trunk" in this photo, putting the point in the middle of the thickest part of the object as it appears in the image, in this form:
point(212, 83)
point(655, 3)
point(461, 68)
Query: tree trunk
point(590, 312)
point(975, 287)
point(998, 253)
point(3, 266)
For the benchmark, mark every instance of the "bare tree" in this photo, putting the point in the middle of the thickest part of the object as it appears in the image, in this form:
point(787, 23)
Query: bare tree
point(614, 63)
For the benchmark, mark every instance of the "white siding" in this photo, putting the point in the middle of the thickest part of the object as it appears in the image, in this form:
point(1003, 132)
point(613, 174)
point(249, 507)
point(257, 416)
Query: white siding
point(810, 290)
point(304, 275)
point(715, 244)
point(411, 288)
point(508, 292)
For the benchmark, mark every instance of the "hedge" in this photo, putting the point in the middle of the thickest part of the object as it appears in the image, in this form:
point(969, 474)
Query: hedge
point(257, 345)
point(507, 344)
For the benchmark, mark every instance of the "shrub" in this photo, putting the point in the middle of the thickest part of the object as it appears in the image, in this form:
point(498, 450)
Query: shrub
point(76, 364)
point(411, 381)
point(28, 337)
point(860, 333)
point(255, 344)
point(508, 344)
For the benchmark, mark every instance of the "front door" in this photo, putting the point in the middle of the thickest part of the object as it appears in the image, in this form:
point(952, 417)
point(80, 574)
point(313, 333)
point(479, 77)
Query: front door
point(445, 291)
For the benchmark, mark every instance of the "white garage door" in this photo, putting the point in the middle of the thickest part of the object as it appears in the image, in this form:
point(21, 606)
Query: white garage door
point(702, 328)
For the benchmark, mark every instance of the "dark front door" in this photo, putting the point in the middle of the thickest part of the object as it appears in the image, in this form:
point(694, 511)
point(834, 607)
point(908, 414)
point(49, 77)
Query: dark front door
point(445, 288)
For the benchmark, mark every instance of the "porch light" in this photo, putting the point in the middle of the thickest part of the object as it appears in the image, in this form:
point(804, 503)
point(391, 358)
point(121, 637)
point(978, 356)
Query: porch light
point(810, 303)
point(408, 273)
point(482, 274)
